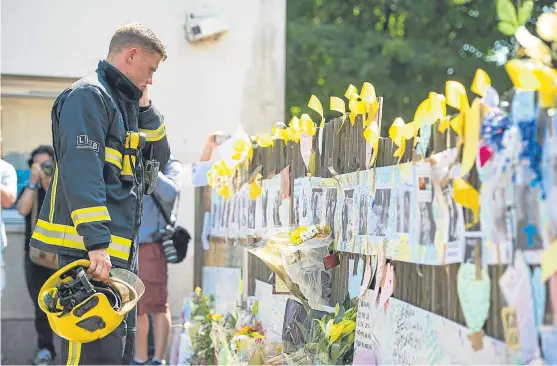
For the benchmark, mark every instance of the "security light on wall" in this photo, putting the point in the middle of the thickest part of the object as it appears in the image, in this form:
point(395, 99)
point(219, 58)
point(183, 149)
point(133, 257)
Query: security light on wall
point(202, 27)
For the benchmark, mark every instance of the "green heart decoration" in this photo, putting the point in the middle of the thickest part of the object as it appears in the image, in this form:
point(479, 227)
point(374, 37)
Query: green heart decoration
point(474, 295)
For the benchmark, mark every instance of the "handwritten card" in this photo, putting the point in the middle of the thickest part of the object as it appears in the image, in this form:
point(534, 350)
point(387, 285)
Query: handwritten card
point(516, 287)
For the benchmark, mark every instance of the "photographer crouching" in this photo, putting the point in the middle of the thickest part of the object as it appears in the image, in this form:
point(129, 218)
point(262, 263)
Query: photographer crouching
point(39, 266)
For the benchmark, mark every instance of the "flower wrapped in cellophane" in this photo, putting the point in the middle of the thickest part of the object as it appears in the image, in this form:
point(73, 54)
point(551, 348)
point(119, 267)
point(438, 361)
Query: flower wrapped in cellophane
point(303, 261)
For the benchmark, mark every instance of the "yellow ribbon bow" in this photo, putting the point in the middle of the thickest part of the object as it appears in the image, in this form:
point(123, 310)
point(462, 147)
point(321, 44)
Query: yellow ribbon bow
point(457, 98)
point(218, 177)
point(480, 83)
point(338, 105)
point(298, 126)
point(355, 106)
point(315, 104)
point(255, 187)
point(265, 140)
point(371, 134)
point(399, 132)
point(467, 196)
point(369, 99)
point(281, 132)
point(243, 150)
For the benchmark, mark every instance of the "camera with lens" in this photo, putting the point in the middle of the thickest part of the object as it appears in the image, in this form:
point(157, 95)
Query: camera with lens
point(48, 168)
point(168, 245)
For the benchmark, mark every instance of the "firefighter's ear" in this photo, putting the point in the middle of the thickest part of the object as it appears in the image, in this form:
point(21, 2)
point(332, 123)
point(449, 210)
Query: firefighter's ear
point(132, 52)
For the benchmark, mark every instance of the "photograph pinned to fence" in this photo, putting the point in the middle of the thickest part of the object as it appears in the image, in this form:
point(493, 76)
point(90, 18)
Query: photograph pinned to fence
point(527, 211)
point(425, 226)
point(348, 212)
point(331, 198)
point(317, 205)
point(399, 246)
point(279, 202)
point(260, 209)
point(472, 240)
point(364, 198)
point(497, 244)
point(233, 222)
point(380, 210)
point(244, 210)
point(448, 215)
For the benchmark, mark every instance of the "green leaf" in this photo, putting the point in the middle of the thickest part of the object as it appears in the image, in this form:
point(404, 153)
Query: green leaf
point(337, 309)
point(255, 308)
point(507, 12)
point(303, 330)
point(335, 352)
point(525, 12)
point(506, 28)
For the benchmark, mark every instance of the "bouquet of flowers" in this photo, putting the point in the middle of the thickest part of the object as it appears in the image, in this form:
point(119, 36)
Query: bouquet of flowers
point(200, 329)
point(331, 343)
point(303, 262)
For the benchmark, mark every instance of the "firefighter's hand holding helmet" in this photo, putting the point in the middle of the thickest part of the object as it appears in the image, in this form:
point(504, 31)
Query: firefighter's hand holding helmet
point(100, 265)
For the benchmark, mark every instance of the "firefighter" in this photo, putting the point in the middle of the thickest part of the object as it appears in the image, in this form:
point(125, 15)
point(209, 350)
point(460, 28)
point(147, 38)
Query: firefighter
point(109, 141)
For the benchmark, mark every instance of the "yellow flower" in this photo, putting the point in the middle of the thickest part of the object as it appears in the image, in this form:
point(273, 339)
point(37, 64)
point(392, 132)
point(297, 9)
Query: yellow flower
point(244, 330)
point(333, 331)
point(349, 328)
point(546, 26)
point(256, 335)
point(279, 348)
point(198, 291)
point(216, 317)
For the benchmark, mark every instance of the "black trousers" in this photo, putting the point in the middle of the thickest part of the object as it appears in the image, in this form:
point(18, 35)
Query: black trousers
point(36, 276)
point(114, 349)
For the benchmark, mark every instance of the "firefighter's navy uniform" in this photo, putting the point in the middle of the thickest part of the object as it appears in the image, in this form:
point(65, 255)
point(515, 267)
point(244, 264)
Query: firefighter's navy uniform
point(89, 205)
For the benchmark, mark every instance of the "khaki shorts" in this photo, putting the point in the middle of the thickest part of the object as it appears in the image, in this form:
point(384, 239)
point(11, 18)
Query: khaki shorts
point(153, 272)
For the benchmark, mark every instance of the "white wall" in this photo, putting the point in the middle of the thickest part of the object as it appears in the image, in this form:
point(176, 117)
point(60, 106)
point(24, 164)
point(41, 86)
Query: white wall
point(200, 88)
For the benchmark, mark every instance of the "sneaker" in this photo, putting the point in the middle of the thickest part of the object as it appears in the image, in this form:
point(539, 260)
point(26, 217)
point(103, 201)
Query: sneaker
point(44, 357)
point(157, 362)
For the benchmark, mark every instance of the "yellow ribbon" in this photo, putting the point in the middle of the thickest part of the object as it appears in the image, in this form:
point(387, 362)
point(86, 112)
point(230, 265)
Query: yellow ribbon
point(480, 83)
point(255, 187)
point(471, 137)
point(547, 77)
point(265, 140)
point(281, 132)
point(315, 104)
point(302, 125)
point(467, 196)
point(218, 177)
point(371, 105)
point(457, 98)
point(243, 149)
point(371, 134)
point(338, 105)
point(399, 133)
point(522, 75)
point(355, 105)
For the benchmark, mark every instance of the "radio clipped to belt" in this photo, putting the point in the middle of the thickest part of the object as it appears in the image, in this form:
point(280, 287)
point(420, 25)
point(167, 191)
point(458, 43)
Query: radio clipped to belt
point(135, 141)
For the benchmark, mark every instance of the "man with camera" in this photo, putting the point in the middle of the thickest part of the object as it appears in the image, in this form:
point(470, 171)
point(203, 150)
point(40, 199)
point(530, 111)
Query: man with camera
point(28, 205)
point(161, 242)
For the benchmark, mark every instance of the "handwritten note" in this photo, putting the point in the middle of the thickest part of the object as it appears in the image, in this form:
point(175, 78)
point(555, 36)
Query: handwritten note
point(271, 309)
point(365, 339)
point(516, 287)
point(474, 295)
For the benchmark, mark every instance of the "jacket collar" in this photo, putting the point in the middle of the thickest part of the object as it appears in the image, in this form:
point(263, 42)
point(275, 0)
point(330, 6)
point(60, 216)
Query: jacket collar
point(119, 81)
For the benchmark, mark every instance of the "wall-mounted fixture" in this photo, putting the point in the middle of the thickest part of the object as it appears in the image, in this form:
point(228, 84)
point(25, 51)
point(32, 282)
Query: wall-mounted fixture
point(204, 26)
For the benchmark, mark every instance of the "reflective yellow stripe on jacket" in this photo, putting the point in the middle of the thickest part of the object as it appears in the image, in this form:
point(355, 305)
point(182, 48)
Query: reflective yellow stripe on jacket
point(154, 135)
point(67, 236)
point(90, 214)
point(113, 156)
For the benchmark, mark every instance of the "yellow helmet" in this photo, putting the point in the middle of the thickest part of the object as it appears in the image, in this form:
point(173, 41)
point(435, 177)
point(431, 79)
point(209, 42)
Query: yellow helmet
point(83, 310)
